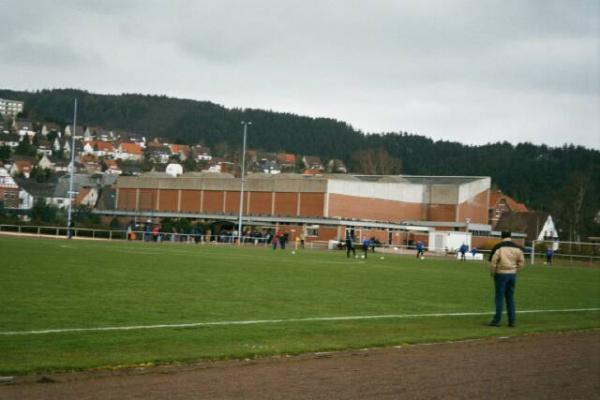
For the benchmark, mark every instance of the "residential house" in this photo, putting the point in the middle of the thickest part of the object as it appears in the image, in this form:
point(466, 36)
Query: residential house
point(337, 167)
point(501, 203)
point(45, 163)
point(43, 150)
point(111, 167)
point(218, 164)
point(9, 139)
point(158, 154)
point(86, 190)
point(56, 145)
point(201, 153)
point(269, 167)
point(99, 148)
point(78, 134)
point(61, 166)
point(312, 162)
point(129, 151)
point(23, 166)
point(22, 125)
point(48, 127)
point(30, 191)
point(181, 150)
point(286, 159)
point(536, 225)
point(9, 190)
point(137, 138)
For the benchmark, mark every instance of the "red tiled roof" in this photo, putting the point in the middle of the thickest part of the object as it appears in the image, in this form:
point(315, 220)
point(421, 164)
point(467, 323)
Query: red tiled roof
point(131, 148)
point(102, 146)
point(286, 158)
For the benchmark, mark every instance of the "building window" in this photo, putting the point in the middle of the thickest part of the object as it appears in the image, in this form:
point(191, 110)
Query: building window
point(312, 230)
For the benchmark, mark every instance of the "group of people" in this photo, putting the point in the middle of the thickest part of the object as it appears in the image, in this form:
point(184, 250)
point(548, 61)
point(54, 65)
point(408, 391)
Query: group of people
point(366, 245)
point(279, 238)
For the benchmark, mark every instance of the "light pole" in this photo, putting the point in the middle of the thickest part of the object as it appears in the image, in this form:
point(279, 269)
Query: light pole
point(243, 177)
point(72, 171)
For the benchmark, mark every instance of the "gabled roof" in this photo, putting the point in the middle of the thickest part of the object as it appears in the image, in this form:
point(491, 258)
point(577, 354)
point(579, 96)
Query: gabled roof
point(530, 223)
point(131, 148)
point(497, 196)
point(180, 148)
point(102, 146)
point(36, 189)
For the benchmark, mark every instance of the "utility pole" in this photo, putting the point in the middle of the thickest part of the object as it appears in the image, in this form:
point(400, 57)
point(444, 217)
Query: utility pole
point(243, 178)
point(72, 171)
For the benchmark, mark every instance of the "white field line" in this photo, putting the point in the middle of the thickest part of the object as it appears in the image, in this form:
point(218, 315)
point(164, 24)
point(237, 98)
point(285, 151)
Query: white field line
point(279, 321)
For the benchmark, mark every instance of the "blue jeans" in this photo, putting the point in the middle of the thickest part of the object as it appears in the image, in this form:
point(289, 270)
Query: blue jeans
point(505, 289)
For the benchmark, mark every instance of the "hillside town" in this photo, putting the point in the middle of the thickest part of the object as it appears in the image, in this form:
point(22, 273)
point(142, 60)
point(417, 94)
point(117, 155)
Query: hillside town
point(35, 158)
point(35, 171)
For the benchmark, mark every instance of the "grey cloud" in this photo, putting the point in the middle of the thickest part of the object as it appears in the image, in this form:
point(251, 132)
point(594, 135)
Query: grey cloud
point(381, 65)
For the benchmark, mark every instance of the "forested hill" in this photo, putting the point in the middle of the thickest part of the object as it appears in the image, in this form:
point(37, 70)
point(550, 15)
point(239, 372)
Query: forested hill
point(564, 181)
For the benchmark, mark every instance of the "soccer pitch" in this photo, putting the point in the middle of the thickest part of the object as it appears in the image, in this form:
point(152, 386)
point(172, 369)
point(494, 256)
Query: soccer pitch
point(83, 304)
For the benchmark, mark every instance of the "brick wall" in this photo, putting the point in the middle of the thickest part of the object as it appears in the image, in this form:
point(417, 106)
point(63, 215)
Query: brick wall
point(311, 204)
point(190, 200)
point(232, 202)
point(168, 200)
point(126, 199)
point(286, 204)
point(148, 199)
point(213, 201)
point(260, 203)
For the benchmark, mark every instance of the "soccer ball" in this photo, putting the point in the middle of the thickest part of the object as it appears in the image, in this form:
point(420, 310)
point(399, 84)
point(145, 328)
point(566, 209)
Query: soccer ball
point(362, 256)
point(422, 257)
point(381, 258)
point(395, 248)
point(293, 252)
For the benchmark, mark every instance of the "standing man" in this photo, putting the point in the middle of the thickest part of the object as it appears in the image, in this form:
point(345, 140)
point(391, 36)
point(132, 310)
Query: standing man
point(463, 251)
point(506, 260)
point(350, 245)
point(549, 255)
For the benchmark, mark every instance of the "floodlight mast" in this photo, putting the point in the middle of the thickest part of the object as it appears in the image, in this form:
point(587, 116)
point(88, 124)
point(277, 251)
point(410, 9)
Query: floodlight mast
point(72, 171)
point(243, 178)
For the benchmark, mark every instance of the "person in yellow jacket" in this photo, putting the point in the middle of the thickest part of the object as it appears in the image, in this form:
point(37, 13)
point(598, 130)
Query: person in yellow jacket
point(506, 260)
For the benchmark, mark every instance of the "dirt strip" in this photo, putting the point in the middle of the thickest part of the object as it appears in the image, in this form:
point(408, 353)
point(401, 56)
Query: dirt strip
point(546, 366)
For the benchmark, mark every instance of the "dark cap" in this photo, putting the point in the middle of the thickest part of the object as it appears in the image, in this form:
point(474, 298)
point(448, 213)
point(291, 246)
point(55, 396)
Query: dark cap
point(505, 234)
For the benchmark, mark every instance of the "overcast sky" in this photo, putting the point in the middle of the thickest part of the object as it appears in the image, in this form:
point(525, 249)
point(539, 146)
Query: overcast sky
point(469, 71)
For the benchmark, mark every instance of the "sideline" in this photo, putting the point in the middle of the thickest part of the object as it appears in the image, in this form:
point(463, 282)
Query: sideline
point(278, 321)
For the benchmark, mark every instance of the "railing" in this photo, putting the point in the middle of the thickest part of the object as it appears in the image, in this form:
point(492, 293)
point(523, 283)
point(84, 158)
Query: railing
point(561, 257)
point(61, 231)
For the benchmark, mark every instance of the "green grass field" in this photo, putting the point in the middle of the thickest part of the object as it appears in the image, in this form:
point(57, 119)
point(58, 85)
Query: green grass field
point(58, 284)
